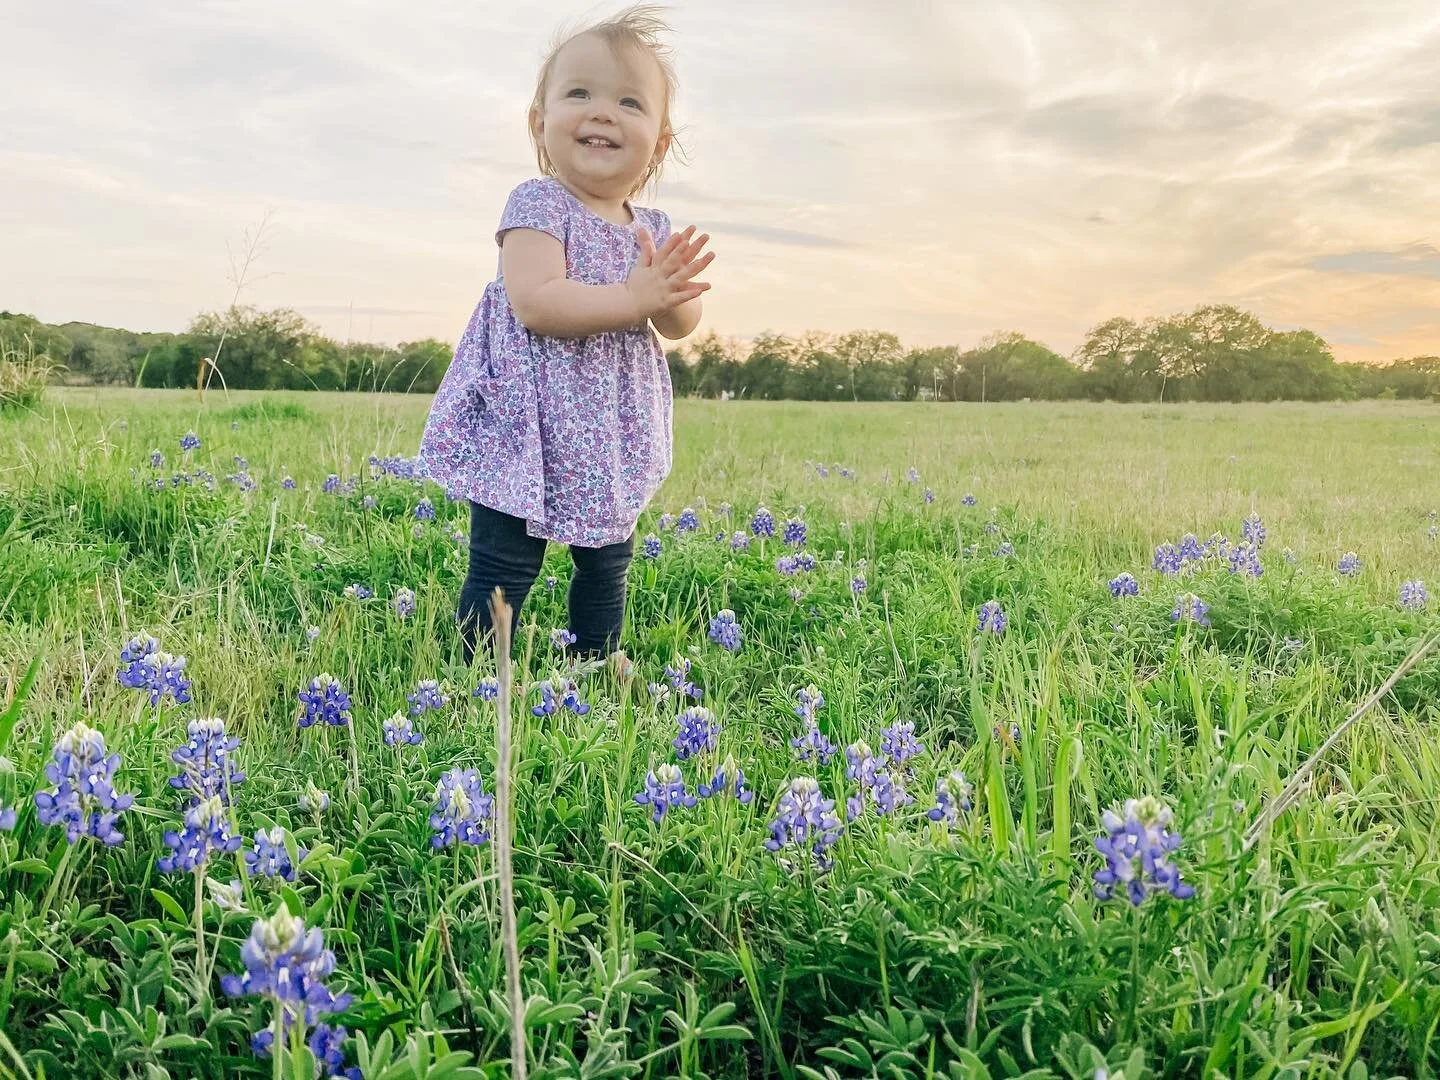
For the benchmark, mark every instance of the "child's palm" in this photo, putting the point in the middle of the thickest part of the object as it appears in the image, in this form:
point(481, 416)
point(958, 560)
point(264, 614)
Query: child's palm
point(663, 279)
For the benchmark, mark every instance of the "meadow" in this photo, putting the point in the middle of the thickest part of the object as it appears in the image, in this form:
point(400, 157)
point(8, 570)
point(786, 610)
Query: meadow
point(891, 685)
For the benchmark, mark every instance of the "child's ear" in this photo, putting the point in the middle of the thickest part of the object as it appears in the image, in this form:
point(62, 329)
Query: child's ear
point(537, 124)
point(662, 147)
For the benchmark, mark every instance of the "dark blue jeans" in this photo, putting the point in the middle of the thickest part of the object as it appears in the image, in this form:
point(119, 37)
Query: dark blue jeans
point(504, 555)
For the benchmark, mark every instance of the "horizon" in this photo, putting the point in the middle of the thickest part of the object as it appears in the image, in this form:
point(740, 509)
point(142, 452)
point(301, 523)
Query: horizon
point(1138, 162)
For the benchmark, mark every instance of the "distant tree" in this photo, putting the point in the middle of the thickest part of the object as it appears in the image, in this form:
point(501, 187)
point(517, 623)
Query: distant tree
point(764, 373)
point(682, 376)
point(1009, 366)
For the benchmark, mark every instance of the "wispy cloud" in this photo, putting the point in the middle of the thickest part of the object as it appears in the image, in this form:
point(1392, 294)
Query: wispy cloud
point(936, 170)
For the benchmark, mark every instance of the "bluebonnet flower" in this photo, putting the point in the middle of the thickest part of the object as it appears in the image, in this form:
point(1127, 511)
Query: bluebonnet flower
point(687, 522)
point(795, 593)
point(227, 897)
point(992, 527)
point(804, 561)
point(1218, 545)
point(699, 732)
point(158, 674)
point(808, 699)
point(651, 547)
point(806, 820)
point(912, 475)
point(312, 633)
point(968, 500)
point(157, 459)
point(795, 532)
point(858, 584)
point(287, 964)
point(888, 793)
point(1288, 555)
point(678, 676)
point(991, 618)
point(331, 484)
point(1190, 549)
point(1137, 846)
point(244, 481)
point(1349, 564)
point(368, 503)
point(327, 1046)
point(1245, 558)
point(1413, 595)
point(189, 441)
point(8, 817)
point(138, 648)
point(357, 592)
point(424, 510)
point(1432, 532)
point(551, 582)
point(206, 831)
point(1005, 550)
point(739, 542)
point(929, 496)
point(83, 799)
point(400, 731)
point(664, 790)
point(729, 779)
point(787, 565)
point(1252, 530)
point(325, 699)
point(554, 697)
point(241, 465)
point(312, 800)
point(1124, 584)
point(207, 767)
point(288, 483)
point(861, 766)
point(561, 638)
point(953, 794)
point(1191, 608)
point(666, 522)
point(488, 689)
point(725, 631)
point(1167, 559)
point(898, 743)
point(403, 603)
point(821, 470)
point(462, 810)
point(763, 523)
point(428, 697)
point(271, 858)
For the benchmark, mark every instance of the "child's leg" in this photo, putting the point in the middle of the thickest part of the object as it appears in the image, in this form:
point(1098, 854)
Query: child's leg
point(597, 596)
point(503, 555)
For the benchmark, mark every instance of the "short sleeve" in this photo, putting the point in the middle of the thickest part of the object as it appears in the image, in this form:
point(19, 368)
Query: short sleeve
point(659, 225)
point(535, 204)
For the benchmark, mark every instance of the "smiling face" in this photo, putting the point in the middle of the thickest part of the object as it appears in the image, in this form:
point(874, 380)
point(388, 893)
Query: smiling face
point(602, 120)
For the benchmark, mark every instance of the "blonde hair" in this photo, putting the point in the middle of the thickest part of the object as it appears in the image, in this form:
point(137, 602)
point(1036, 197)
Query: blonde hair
point(637, 27)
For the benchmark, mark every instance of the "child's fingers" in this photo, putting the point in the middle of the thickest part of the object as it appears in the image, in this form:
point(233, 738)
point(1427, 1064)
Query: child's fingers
point(685, 273)
point(647, 245)
point(674, 249)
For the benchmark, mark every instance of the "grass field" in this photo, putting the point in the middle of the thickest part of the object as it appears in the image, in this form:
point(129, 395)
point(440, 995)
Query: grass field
point(967, 943)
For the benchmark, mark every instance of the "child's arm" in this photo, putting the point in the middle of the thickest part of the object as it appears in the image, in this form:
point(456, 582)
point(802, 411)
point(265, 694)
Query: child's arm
point(678, 322)
point(549, 304)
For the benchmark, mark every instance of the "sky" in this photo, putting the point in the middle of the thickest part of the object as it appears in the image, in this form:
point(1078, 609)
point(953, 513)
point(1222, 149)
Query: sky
point(938, 170)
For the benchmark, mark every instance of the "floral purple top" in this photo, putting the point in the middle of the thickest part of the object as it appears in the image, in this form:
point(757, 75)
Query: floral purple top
point(571, 434)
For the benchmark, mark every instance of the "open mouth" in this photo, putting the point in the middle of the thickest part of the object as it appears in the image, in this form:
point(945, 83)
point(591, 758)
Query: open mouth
point(599, 142)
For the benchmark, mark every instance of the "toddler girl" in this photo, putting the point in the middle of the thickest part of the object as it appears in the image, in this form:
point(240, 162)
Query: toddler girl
point(554, 418)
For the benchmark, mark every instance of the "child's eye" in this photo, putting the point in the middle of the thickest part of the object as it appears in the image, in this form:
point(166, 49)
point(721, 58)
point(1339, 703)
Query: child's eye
point(578, 92)
point(631, 102)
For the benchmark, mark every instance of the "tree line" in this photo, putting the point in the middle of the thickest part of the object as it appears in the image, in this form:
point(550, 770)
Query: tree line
point(1214, 353)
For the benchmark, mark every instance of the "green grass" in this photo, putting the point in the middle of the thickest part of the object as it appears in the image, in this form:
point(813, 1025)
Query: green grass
point(685, 948)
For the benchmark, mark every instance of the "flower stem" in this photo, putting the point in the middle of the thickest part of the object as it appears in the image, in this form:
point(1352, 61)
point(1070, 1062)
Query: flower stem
point(200, 979)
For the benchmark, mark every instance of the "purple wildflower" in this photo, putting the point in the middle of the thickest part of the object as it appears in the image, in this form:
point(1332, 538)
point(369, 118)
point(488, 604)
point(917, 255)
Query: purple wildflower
point(270, 857)
point(206, 831)
point(699, 732)
point(806, 820)
point(1124, 584)
point(687, 521)
point(953, 794)
point(651, 547)
point(207, 767)
point(424, 510)
point(561, 638)
point(739, 542)
point(325, 699)
point(725, 631)
point(1349, 564)
point(487, 689)
point(1413, 596)
point(664, 790)
point(1190, 608)
point(728, 780)
point(403, 603)
point(287, 964)
point(1137, 846)
point(763, 523)
point(795, 532)
point(991, 618)
point(83, 799)
point(462, 810)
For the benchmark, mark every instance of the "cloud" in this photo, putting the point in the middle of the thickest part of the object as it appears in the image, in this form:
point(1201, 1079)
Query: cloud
point(933, 169)
point(1418, 260)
